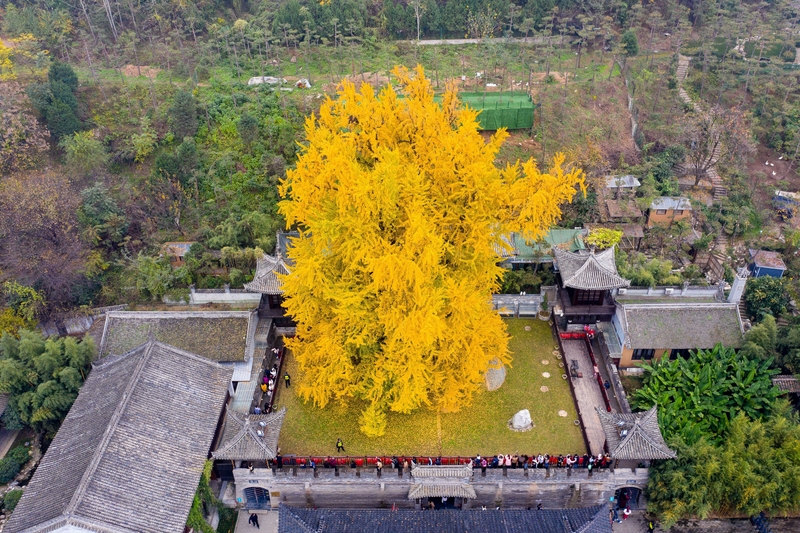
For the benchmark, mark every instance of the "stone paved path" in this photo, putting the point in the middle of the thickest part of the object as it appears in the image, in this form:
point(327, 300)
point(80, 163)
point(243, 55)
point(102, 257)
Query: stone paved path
point(587, 392)
point(268, 520)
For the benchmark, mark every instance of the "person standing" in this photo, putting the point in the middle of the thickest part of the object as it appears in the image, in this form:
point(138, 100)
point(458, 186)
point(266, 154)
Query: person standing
point(379, 466)
point(254, 520)
point(286, 379)
point(626, 513)
point(339, 446)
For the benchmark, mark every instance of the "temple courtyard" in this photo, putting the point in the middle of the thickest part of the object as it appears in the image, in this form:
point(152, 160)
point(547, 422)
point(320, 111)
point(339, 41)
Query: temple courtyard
point(534, 382)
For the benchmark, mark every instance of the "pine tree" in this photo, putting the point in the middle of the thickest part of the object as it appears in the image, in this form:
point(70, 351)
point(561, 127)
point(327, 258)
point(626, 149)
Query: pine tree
point(183, 115)
point(401, 210)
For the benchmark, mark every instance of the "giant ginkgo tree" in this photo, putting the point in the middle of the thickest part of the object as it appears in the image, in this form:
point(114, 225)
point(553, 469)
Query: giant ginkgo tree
point(401, 212)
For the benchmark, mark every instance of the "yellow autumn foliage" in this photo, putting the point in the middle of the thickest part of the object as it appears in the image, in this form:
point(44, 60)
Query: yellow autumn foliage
point(401, 210)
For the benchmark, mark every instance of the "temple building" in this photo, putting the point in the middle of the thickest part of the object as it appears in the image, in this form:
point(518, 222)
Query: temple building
point(268, 282)
point(587, 277)
point(634, 436)
point(130, 453)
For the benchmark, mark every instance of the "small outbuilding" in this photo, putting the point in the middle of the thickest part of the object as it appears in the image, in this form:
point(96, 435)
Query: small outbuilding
point(766, 263)
point(668, 209)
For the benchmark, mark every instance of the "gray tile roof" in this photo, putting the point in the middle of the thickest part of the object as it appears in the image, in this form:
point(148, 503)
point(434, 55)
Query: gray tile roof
point(627, 181)
point(267, 280)
point(786, 382)
point(588, 270)
point(216, 335)
point(643, 440)
point(436, 471)
point(241, 441)
point(580, 520)
point(678, 326)
point(441, 490)
point(669, 202)
point(129, 455)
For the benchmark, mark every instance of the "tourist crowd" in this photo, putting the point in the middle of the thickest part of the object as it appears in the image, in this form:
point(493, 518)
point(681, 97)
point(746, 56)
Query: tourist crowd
point(497, 461)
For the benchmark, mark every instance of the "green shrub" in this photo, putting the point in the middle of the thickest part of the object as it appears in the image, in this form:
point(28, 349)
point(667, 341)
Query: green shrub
point(11, 499)
point(11, 419)
point(20, 454)
point(8, 469)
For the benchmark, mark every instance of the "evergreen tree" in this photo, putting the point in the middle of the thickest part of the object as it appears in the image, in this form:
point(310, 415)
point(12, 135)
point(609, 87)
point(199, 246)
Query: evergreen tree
point(248, 128)
point(63, 73)
point(630, 43)
point(61, 120)
point(183, 115)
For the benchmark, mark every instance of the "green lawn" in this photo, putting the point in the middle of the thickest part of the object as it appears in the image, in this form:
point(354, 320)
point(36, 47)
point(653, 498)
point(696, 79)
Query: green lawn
point(481, 428)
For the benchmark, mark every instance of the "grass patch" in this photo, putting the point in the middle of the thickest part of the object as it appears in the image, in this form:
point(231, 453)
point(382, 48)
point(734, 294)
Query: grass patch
point(480, 428)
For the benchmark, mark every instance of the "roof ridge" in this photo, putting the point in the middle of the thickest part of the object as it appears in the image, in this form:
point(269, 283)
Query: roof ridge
point(241, 434)
point(112, 426)
point(190, 355)
point(111, 359)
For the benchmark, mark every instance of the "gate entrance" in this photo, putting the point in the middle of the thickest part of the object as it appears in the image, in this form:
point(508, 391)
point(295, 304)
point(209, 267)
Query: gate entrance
point(443, 503)
point(257, 498)
point(628, 497)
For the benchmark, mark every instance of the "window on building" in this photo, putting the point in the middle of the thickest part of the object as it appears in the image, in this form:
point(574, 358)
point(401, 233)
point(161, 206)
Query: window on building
point(588, 297)
point(679, 211)
point(683, 353)
point(641, 353)
point(661, 211)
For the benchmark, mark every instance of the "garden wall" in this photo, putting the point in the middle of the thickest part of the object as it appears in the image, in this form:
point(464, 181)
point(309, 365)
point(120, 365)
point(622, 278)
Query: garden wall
point(361, 488)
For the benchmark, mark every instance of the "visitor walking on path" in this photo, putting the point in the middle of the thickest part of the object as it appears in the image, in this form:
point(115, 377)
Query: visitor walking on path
point(339, 446)
point(254, 520)
point(626, 513)
point(286, 379)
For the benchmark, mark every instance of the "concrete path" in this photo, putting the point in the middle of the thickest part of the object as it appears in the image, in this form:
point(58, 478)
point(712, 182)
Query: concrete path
point(587, 392)
point(268, 520)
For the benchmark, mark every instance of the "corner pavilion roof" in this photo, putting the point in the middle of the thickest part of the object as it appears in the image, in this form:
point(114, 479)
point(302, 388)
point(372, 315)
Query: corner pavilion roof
point(240, 438)
point(643, 439)
point(587, 270)
point(267, 279)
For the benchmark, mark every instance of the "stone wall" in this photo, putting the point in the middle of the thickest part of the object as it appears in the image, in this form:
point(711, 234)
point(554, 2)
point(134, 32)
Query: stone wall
point(361, 488)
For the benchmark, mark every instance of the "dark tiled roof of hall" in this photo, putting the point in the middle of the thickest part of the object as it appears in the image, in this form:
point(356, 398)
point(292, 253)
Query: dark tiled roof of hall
point(582, 520)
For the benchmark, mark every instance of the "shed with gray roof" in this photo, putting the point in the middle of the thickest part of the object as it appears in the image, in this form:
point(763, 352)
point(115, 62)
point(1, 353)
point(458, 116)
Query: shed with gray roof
point(129, 455)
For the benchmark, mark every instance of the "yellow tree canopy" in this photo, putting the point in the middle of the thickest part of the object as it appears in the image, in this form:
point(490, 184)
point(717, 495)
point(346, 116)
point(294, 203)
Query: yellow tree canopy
point(401, 210)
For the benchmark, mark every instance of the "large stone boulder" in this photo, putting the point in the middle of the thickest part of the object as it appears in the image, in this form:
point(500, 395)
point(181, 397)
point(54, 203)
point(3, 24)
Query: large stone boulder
point(521, 421)
point(495, 376)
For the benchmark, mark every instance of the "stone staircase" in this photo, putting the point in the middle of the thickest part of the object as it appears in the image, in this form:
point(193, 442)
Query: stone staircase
point(743, 311)
point(719, 191)
point(720, 247)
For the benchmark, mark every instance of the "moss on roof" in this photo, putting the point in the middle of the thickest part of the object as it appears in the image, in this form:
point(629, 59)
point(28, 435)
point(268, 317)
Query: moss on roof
point(217, 339)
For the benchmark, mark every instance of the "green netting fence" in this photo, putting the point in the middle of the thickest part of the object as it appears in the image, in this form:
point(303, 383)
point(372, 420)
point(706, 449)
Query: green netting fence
point(512, 110)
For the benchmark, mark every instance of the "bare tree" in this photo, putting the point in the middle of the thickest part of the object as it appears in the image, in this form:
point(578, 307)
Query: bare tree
point(718, 134)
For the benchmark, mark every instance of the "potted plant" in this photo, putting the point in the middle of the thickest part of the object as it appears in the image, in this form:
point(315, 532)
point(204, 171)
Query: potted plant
point(544, 312)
